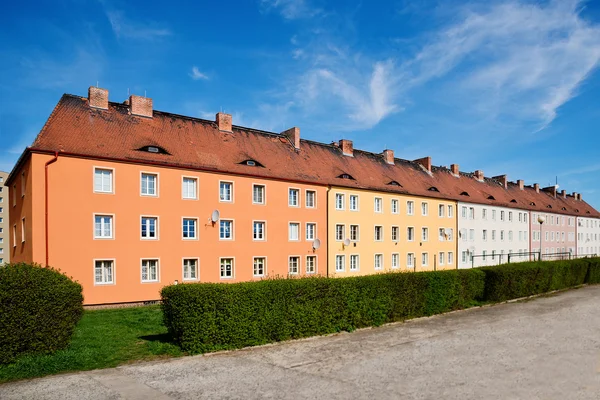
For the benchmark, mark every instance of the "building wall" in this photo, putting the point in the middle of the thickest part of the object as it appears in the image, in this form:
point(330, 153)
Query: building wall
point(366, 247)
point(588, 236)
point(557, 234)
point(4, 220)
point(73, 248)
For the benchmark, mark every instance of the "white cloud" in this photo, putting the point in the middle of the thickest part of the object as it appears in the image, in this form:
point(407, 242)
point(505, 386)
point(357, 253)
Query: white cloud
point(290, 9)
point(196, 74)
point(129, 29)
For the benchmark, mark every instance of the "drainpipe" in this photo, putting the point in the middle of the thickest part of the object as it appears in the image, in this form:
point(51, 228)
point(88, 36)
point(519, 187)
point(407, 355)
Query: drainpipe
point(327, 228)
point(46, 200)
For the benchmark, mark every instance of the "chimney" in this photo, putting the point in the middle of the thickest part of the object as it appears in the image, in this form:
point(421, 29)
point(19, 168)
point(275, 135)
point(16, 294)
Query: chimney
point(223, 121)
point(563, 193)
point(479, 175)
point(455, 170)
point(551, 190)
point(388, 156)
point(502, 179)
point(536, 186)
point(347, 147)
point(293, 135)
point(578, 196)
point(425, 162)
point(521, 184)
point(141, 106)
point(98, 98)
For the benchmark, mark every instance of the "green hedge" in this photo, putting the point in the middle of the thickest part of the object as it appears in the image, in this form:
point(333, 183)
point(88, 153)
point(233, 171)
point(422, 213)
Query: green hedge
point(39, 308)
point(594, 271)
point(511, 281)
point(206, 317)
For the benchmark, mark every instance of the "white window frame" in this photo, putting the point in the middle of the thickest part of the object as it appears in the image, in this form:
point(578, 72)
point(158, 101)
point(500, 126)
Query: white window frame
point(156, 227)
point(450, 258)
point(395, 206)
point(196, 184)
point(264, 231)
point(357, 239)
point(410, 207)
point(112, 226)
point(114, 271)
point(290, 272)
point(196, 225)
point(343, 231)
point(395, 228)
point(357, 204)
point(157, 259)
point(408, 235)
point(264, 194)
point(183, 260)
point(340, 206)
point(314, 232)
point(424, 208)
point(298, 233)
point(441, 258)
point(343, 264)
point(298, 192)
point(424, 259)
point(395, 260)
point(264, 266)
point(410, 260)
point(378, 201)
point(315, 266)
point(356, 257)
point(231, 194)
point(221, 276)
point(450, 211)
point(441, 210)
point(156, 185)
point(375, 233)
point(314, 198)
point(112, 179)
point(424, 234)
point(232, 229)
point(378, 256)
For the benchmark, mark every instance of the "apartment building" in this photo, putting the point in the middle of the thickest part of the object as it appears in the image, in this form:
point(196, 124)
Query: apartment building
point(4, 220)
point(588, 236)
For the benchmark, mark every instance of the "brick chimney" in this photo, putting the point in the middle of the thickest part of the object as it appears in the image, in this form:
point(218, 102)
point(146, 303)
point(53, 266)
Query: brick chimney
point(388, 156)
point(425, 162)
point(293, 135)
point(223, 121)
point(347, 147)
point(98, 98)
point(479, 175)
point(563, 193)
point(502, 179)
point(579, 196)
point(141, 106)
point(521, 184)
point(536, 186)
point(551, 190)
point(455, 170)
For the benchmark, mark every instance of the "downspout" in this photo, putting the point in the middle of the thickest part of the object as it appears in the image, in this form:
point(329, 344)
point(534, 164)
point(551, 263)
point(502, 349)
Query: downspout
point(46, 200)
point(327, 228)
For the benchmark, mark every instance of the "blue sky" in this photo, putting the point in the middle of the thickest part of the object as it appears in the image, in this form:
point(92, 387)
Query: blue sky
point(508, 87)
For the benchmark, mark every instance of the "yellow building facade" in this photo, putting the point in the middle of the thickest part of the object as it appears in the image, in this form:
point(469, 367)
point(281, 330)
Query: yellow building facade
point(372, 232)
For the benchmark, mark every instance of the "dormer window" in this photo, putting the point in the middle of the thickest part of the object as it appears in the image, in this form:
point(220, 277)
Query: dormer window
point(252, 163)
point(346, 176)
point(153, 149)
point(577, 210)
point(433, 189)
point(490, 197)
point(465, 194)
point(587, 212)
point(564, 208)
point(513, 201)
point(394, 183)
point(548, 206)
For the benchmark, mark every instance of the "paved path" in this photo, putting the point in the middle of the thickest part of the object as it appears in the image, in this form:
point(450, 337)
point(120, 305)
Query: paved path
point(547, 348)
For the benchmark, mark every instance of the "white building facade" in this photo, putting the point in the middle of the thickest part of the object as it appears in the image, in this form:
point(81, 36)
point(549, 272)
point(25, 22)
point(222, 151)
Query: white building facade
point(488, 234)
point(588, 236)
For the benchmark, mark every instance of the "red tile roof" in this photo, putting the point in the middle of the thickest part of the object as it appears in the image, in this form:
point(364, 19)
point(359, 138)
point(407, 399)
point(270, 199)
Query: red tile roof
point(75, 128)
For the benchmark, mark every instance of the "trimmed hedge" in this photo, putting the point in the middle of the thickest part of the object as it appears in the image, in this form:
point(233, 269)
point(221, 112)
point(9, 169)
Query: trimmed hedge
point(593, 275)
point(39, 308)
point(206, 317)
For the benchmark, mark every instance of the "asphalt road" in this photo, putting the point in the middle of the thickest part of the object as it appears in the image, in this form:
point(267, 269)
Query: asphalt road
point(546, 348)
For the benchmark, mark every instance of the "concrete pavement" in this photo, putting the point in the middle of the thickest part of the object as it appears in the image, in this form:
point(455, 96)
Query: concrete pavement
point(546, 348)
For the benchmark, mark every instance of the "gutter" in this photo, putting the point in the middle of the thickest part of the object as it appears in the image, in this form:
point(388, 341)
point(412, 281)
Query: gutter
point(46, 200)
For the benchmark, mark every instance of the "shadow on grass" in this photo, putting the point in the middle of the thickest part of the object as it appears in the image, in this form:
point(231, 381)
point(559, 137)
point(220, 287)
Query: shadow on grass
point(160, 338)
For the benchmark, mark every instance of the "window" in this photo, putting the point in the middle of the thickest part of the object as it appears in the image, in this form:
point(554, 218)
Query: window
point(501, 235)
point(340, 263)
point(258, 194)
point(484, 253)
point(410, 234)
point(394, 206)
point(424, 234)
point(339, 232)
point(510, 236)
point(485, 234)
point(226, 192)
point(441, 258)
point(311, 228)
point(311, 197)
point(354, 233)
point(520, 217)
point(493, 234)
point(149, 270)
point(190, 269)
point(353, 202)
point(471, 234)
point(424, 259)
point(258, 230)
point(450, 211)
point(189, 188)
point(395, 231)
point(103, 227)
point(450, 258)
point(339, 201)
point(484, 213)
point(464, 212)
point(395, 260)
point(441, 234)
point(104, 272)
point(464, 257)
point(378, 204)
point(378, 233)
point(354, 262)
point(311, 264)
point(463, 234)
point(524, 217)
point(493, 254)
point(410, 260)
point(510, 216)
point(227, 268)
point(294, 198)
point(471, 213)
point(493, 215)
point(23, 230)
point(149, 184)
point(424, 208)
point(189, 228)
point(441, 211)
point(501, 215)
point(378, 261)
point(103, 180)
point(293, 231)
point(410, 207)
point(226, 229)
point(149, 227)
point(260, 264)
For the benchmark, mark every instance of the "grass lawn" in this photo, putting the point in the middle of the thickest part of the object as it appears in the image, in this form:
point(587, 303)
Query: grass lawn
point(103, 339)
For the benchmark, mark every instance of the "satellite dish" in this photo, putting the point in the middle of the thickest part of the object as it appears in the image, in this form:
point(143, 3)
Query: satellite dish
point(346, 242)
point(215, 216)
point(316, 244)
point(447, 231)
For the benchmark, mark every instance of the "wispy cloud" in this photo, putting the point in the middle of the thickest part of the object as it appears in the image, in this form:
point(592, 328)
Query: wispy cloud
point(290, 9)
point(196, 74)
point(129, 29)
